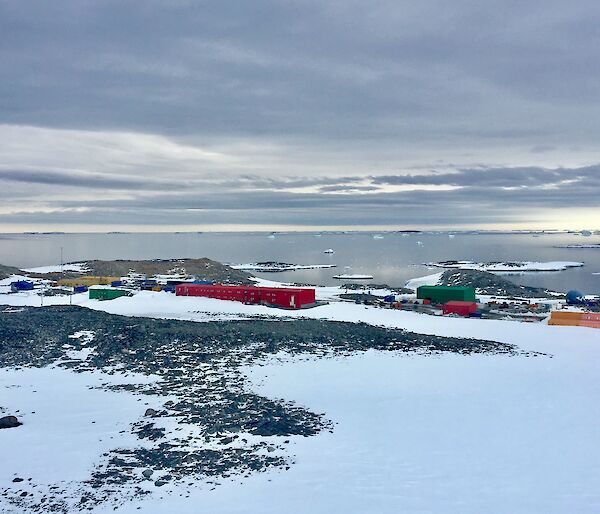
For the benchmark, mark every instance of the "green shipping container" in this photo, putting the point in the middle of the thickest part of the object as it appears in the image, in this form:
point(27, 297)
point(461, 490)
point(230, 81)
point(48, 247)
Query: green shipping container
point(443, 294)
point(107, 294)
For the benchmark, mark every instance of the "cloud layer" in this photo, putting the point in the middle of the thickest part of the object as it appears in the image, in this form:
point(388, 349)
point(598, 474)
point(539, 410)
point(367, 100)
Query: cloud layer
point(299, 113)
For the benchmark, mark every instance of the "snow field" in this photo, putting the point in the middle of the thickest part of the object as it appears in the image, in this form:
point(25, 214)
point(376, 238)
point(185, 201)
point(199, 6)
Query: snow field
point(437, 434)
point(414, 433)
point(68, 422)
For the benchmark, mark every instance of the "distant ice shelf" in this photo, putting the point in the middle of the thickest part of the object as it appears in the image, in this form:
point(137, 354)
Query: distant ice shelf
point(507, 266)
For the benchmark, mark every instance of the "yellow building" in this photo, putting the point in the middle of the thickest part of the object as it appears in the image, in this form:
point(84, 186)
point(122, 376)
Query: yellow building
point(87, 280)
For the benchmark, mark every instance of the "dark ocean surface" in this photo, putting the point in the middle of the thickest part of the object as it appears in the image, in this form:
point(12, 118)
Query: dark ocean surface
point(391, 258)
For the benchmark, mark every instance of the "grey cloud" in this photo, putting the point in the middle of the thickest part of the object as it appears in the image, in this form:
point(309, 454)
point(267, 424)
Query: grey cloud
point(477, 195)
point(93, 181)
point(346, 187)
point(543, 148)
point(78, 179)
point(496, 177)
point(332, 69)
point(345, 91)
point(337, 216)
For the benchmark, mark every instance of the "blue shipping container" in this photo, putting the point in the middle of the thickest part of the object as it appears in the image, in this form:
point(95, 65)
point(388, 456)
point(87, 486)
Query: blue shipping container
point(21, 285)
point(116, 283)
point(80, 289)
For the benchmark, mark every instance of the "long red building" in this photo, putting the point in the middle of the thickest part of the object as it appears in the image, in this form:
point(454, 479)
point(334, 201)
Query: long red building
point(285, 297)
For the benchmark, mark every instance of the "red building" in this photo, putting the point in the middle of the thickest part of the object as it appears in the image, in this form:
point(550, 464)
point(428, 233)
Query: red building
point(460, 308)
point(285, 297)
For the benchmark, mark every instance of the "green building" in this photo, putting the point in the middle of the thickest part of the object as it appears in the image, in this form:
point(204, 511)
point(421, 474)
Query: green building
point(107, 294)
point(443, 294)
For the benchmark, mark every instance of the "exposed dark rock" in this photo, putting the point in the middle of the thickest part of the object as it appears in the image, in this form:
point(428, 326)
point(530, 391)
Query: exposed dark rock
point(492, 284)
point(7, 271)
point(205, 269)
point(361, 298)
point(9, 422)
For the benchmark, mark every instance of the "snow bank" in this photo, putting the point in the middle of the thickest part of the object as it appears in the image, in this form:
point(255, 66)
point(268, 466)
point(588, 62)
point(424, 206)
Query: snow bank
point(428, 280)
point(68, 422)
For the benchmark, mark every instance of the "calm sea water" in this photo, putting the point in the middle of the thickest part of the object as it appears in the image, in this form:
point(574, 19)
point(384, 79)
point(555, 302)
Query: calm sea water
point(393, 259)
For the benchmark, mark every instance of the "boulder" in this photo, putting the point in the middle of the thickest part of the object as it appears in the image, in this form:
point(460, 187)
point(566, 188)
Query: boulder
point(9, 422)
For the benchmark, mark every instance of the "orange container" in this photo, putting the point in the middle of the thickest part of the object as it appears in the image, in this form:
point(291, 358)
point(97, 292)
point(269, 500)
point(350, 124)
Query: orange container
point(590, 324)
point(564, 322)
point(590, 316)
point(566, 315)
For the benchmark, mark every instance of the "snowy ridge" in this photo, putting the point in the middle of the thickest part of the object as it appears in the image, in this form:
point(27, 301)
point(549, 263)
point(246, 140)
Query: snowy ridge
point(428, 280)
point(78, 267)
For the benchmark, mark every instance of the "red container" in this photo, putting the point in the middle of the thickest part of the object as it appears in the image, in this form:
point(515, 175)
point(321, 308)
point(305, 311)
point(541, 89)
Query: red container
point(286, 297)
point(460, 308)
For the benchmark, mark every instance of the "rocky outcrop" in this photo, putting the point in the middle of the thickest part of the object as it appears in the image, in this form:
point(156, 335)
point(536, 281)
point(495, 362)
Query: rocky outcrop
point(9, 422)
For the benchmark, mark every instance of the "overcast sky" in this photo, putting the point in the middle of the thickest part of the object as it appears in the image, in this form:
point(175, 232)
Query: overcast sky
point(177, 115)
